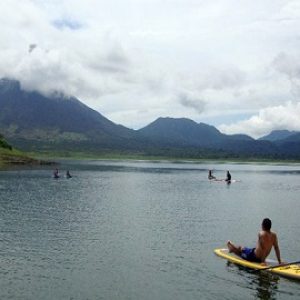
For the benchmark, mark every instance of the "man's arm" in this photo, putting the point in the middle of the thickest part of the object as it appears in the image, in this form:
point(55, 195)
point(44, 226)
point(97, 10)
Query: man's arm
point(276, 247)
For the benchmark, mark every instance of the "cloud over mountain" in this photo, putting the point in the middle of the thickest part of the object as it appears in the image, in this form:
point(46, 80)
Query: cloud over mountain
point(280, 117)
point(198, 59)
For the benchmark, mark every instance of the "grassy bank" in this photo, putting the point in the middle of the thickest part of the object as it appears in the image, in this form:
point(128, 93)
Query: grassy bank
point(8, 157)
point(16, 157)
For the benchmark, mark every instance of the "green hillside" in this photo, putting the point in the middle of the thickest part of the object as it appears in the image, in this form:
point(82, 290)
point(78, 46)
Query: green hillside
point(9, 155)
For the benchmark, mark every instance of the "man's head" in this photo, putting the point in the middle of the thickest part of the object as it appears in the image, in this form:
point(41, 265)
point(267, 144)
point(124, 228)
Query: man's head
point(266, 224)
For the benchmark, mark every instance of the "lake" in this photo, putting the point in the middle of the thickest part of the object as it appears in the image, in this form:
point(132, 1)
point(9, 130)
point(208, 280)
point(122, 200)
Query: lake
point(143, 230)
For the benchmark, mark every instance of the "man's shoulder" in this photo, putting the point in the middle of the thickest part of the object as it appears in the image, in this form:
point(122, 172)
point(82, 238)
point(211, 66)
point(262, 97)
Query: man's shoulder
point(267, 233)
point(274, 234)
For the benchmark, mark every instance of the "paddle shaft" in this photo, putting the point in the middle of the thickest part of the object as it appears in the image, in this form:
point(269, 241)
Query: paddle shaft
point(277, 266)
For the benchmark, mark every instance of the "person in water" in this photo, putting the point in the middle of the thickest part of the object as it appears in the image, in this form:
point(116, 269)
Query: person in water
point(266, 240)
point(228, 176)
point(55, 173)
point(210, 175)
point(68, 175)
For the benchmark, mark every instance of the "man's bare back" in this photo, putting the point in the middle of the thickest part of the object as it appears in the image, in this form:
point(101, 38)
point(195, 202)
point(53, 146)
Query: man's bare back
point(266, 240)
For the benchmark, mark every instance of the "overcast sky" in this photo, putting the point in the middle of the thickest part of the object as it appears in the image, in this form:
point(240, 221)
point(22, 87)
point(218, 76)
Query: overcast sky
point(232, 64)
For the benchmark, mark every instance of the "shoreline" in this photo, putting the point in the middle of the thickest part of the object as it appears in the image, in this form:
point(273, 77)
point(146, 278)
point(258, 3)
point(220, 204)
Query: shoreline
point(15, 158)
point(10, 159)
point(135, 157)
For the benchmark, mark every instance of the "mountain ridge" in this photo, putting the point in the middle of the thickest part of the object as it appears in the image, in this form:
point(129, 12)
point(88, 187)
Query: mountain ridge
point(181, 131)
point(276, 135)
point(32, 116)
point(35, 122)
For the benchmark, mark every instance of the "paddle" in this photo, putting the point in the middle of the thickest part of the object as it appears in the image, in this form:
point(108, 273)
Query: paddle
point(277, 266)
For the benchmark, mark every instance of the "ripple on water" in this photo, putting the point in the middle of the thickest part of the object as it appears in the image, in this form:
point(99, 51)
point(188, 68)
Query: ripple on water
point(141, 231)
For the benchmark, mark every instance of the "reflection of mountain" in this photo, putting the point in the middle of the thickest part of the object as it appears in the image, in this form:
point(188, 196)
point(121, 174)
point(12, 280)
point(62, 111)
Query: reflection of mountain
point(32, 121)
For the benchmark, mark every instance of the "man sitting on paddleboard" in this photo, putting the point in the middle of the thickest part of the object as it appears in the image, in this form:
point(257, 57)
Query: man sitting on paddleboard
point(266, 240)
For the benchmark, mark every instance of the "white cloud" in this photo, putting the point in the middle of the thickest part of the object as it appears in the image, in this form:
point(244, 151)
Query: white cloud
point(286, 116)
point(131, 60)
point(289, 65)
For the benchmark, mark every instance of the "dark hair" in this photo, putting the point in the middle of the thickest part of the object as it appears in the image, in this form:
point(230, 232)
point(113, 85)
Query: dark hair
point(266, 224)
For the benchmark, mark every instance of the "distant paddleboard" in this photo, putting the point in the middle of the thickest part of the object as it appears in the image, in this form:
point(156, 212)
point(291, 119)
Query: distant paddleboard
point(224, 180)
point(286, 270)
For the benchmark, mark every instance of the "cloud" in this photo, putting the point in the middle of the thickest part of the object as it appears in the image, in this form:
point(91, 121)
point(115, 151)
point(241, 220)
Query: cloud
point(225, 77)
point(191, 101)
point(67, 23)
point(31, 47)
point(131, 60)
point(289, 65)
point(290, 10)
point(284, 116)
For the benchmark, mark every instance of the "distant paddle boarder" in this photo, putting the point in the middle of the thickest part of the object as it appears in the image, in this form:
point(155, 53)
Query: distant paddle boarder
point(266, 240)
point(68, 175)
point(228, 177)
point(55, 174)
point(210, 175)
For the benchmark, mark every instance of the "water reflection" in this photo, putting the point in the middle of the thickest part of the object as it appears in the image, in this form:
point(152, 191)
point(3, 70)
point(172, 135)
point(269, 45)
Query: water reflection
point(265, 284)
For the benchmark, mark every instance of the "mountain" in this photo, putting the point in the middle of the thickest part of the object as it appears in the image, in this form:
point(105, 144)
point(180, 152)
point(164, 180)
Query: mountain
point(293, 138)
point(31, 120)
point(277, 135)
point(241, 137)
point(287, 143)
point(181, 132)
point(190, 136)
point(290, 146)
point(35, 122)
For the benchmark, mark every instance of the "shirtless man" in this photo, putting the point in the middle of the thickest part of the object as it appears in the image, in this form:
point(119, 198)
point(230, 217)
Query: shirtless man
point(266, 240)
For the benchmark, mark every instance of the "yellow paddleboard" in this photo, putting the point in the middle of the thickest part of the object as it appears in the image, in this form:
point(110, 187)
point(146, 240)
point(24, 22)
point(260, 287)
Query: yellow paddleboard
point(290, 271)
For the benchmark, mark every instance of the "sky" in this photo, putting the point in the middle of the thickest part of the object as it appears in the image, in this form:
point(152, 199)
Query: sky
point(231, 64)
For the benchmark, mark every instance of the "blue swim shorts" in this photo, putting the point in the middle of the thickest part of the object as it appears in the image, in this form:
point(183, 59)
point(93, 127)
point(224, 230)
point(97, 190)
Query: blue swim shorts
point(249, 254)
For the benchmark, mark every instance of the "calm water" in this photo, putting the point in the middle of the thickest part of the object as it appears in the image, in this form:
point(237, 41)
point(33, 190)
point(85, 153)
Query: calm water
point(141, 230)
